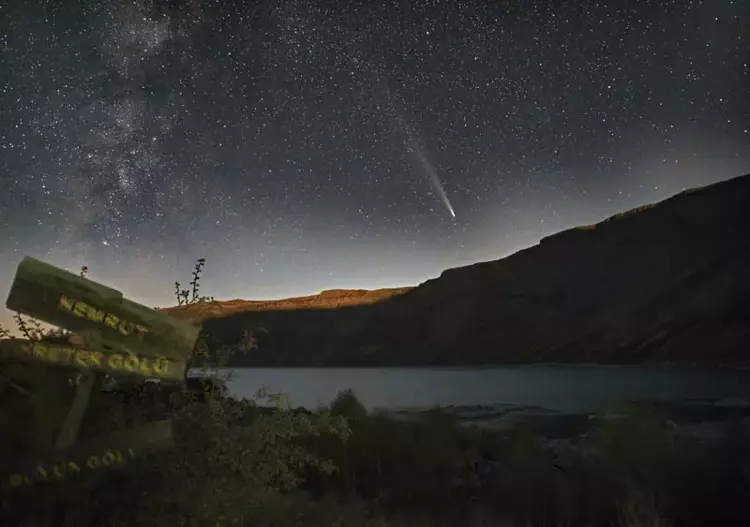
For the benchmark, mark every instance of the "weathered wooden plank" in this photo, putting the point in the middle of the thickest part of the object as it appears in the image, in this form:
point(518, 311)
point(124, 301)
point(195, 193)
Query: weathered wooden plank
point(113, 451)
point(72, 424)
point(111, 362)
point(99, 312)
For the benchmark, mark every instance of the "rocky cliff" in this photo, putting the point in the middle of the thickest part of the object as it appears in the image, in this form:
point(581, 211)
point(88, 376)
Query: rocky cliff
point(668, 282)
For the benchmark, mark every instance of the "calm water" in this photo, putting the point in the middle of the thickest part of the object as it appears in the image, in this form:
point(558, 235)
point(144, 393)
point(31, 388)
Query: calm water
point(563, 389)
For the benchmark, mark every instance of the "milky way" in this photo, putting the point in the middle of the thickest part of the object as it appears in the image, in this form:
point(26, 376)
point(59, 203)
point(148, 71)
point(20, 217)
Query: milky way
point(137, 137)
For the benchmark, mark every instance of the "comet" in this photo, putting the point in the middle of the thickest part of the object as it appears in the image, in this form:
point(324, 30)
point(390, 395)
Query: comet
point(400, 124)
point(421, 156)
point(433, 179)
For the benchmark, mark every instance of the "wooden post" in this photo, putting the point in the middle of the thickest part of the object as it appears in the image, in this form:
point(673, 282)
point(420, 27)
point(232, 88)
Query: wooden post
point(72, 425)
point(69, 434)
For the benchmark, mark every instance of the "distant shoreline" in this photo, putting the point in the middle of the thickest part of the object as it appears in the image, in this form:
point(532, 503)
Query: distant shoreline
point(494, 366)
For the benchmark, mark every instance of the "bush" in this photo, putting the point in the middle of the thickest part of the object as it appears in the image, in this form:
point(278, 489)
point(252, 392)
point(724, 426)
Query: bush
point(640, 464)
point(347, 405)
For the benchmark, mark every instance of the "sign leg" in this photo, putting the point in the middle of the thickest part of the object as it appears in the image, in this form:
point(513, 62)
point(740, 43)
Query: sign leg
point(72, 425)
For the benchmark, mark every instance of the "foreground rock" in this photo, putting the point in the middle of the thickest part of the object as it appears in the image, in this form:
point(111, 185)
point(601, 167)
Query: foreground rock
point(668, 282)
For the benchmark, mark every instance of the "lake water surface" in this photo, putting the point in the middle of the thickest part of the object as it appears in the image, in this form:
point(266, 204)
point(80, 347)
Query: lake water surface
point(562, 389)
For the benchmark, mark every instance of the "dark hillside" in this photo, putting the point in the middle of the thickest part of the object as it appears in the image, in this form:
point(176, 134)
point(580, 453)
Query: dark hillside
point(666, 282)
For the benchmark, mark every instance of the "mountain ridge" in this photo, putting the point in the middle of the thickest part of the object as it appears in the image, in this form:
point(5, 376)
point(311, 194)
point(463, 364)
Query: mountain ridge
point(648, 284)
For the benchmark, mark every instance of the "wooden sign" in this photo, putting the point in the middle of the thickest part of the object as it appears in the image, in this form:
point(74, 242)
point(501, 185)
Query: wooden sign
point(107, 320)
point(113, 451)
point(77, 357)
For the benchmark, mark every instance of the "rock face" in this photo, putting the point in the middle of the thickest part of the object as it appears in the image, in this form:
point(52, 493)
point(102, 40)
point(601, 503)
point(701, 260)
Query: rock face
point(668, 282)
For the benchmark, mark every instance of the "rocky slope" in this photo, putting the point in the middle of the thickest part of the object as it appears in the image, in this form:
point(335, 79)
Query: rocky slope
point(668, 282)
point(329, 299)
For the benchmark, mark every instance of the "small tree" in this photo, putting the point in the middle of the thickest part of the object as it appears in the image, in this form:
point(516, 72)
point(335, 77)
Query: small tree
point(186, 297)
point(204, 359)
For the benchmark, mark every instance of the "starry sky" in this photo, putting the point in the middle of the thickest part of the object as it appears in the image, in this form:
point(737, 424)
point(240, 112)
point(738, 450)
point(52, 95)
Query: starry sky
point(308, 145)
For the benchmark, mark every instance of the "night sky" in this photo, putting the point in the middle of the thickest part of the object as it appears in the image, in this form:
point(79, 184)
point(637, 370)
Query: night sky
point(309, 145)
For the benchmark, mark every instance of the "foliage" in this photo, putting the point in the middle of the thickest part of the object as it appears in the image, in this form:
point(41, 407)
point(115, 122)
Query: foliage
point(637, 456)
point(631, 469)
point(636, 447)
point(32, 329)
point(347, 405)
point(259, 467)
point(186, 297)
point(221, 467)
point(208, 361)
